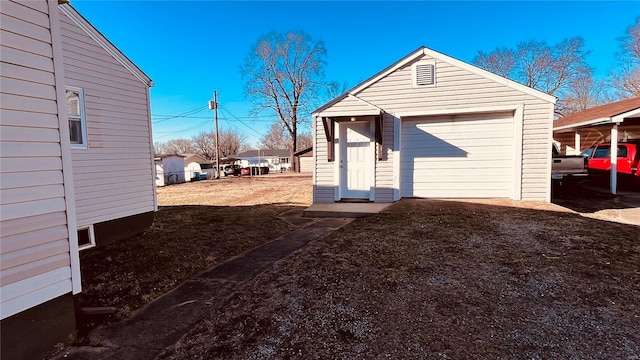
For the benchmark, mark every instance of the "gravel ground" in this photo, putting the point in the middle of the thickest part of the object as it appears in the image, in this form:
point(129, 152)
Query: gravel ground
point(440, 280)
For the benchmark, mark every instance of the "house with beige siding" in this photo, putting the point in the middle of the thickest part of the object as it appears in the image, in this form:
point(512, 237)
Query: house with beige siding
point(111, 149)
point(72, 107)
point(431, 126)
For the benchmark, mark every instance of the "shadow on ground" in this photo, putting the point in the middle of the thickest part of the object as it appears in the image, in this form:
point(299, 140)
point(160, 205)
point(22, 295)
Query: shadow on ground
point(590, 196)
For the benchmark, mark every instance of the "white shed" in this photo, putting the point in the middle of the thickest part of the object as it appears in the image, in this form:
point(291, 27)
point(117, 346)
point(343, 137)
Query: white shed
point(191, 170)
point(172, 168)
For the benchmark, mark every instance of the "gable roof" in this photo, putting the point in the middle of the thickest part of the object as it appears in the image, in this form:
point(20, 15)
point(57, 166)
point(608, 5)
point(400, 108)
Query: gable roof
point(164, 156)
point(600, 114)
point(421, 51)
point(101, 40)
point(197, 158)
point(283, 153)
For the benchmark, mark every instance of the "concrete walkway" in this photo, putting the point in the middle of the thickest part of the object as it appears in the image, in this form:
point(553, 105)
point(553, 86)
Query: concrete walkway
point(165, 320)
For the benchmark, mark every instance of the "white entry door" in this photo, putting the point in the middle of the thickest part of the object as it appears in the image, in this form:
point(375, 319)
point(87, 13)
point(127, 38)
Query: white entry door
point(356, 159)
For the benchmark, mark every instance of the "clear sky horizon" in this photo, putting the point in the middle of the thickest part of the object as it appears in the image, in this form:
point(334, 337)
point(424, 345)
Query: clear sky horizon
point(188, 48)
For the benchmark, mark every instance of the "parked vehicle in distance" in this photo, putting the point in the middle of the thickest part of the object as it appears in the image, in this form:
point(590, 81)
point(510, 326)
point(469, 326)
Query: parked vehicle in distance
point(564, 166)
point(254, 170)
point(232, 170)
point(599, 158)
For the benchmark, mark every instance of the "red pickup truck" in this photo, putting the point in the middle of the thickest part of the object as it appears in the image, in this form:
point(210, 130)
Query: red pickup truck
point(599, 157)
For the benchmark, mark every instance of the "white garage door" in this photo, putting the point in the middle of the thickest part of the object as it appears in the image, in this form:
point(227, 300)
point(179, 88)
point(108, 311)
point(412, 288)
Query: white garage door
point(459, 156)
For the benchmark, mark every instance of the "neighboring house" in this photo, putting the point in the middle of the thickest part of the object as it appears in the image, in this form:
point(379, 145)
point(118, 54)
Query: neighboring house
point(170, 169)
point(303, 160)
point(611, 122)
point(71, 107)
point(431, 126)
point(276, 160)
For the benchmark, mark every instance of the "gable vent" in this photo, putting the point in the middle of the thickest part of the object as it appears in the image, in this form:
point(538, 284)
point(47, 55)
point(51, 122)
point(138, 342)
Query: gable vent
point(424, 74)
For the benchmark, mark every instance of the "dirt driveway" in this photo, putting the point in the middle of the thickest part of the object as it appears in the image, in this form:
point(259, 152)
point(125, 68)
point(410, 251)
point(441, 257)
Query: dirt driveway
point(440, 280)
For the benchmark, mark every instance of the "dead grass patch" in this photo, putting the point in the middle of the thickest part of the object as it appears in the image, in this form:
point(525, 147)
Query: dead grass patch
point(439, 279)
point(199, 225)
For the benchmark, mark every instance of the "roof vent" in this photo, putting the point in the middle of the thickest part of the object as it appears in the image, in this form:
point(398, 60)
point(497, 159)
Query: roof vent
point(425, 74)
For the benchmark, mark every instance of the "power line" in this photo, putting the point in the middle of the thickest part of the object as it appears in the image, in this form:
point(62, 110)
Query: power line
point(271, 118)
point(185, 114)
point(181, 131)
point(241, 121)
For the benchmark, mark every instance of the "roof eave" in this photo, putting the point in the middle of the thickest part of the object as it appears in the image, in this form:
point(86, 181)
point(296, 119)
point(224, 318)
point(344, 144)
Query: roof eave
point(598, 121)
point(107, 45)
point(630, 113)
point(366, 83)
point(491, 76)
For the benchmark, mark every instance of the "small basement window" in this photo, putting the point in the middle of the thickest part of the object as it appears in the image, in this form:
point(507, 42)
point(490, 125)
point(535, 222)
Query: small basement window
point(86, 238)
point(424, 73)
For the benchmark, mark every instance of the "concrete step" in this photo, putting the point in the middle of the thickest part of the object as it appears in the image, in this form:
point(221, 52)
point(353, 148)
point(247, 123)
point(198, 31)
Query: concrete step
point(344, 210)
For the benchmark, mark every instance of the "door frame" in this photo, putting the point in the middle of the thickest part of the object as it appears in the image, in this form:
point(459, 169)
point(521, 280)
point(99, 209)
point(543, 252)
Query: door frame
point(340, 147)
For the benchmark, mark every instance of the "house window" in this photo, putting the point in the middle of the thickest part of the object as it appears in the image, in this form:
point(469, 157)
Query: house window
point(77, 121)
point(86, 238)
point(424, 73)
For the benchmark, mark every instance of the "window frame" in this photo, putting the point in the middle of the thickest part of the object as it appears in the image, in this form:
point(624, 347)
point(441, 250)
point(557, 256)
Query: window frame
point(92, 238)
point(82, 118)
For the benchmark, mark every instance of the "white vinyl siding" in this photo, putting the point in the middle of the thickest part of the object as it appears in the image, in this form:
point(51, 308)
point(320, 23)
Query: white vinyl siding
point(323, 186)
point(113, 177)
point(468, 156)
point(384, 177)
point(456, 89)
point(35, 259)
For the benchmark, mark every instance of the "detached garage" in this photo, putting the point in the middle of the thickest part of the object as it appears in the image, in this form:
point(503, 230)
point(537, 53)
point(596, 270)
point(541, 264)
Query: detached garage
point(431, 126)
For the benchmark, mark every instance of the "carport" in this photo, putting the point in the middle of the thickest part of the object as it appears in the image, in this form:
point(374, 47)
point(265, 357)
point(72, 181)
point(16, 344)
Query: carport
point(613, 122)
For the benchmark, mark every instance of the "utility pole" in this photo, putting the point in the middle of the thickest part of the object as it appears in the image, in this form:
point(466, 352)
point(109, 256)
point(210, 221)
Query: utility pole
point(213, 105)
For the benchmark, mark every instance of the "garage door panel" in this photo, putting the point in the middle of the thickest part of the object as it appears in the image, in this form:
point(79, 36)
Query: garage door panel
point(496, 131)
point(471, 156)
point(469, 152)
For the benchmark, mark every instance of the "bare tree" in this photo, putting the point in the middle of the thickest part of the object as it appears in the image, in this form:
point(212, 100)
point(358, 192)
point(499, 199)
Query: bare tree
point(499, 61)
point(582, 93)
point(283, 74)
point(179, 146)
point(537, 64)
point(205, 144)
point(626, 80)
point(334, 89)
point(305, 140)
point(231, 143)
point(552, 69)
point(276, 138)
point(158, 148)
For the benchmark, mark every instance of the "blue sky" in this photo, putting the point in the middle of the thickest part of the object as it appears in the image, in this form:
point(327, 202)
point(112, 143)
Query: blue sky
point(189, 48)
